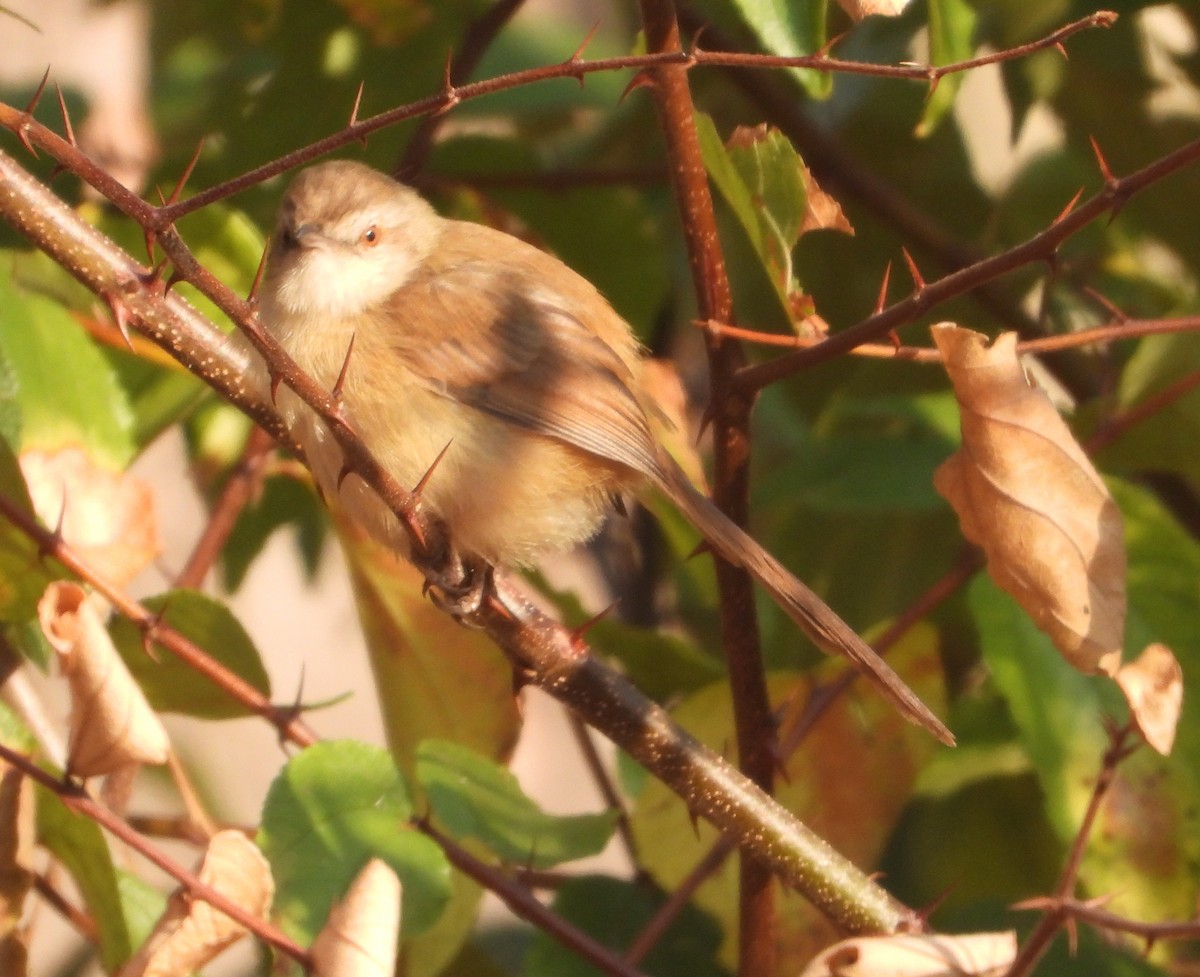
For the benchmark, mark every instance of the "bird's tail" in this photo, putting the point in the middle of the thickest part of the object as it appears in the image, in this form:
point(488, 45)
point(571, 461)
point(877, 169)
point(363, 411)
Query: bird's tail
point(824, 628)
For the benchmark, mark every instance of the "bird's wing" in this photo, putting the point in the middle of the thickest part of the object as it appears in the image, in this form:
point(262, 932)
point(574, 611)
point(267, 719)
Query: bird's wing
point(499, 340)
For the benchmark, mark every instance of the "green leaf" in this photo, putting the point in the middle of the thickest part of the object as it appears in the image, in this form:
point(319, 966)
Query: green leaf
point(761, 177)
point(951, 39)
point(333, 808)
point(78, 843)
point(474, 797)
point(173, 686)
point(788, 28)
point(65, 388)
point(615, 912)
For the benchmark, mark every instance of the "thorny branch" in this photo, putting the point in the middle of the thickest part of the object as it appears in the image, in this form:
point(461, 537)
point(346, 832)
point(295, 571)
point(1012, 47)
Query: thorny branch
point(550, 655)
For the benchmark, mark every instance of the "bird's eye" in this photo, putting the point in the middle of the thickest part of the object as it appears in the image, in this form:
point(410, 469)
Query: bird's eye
point(370, 237)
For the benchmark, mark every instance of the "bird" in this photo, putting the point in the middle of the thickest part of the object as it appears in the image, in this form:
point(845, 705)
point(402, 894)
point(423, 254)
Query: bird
point(491, 366)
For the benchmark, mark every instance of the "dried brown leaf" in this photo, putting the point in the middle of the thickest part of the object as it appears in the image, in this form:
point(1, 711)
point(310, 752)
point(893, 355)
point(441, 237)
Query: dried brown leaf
point(112, 725)
point(106, 516)
point(359, 937)
point(1027, 494)
point(822, 211)
point(1153, 687)
point(917, 955)
point(191, 932)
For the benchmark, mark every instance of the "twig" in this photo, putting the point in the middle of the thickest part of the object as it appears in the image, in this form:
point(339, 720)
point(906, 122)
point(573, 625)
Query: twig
point(479, 36)
point(153, 629)
point(526, 905)
point(1038, 942)
point(242, 485)
point(1040, 247)
point(77, 800)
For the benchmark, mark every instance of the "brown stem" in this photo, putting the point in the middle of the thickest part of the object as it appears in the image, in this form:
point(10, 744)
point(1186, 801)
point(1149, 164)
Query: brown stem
point(243, 483)
point(729, 413)
point(479, 36)
point(284, 719)
point(604, 783)
point(1038, 942)
point(526, 905)
point(79, 801)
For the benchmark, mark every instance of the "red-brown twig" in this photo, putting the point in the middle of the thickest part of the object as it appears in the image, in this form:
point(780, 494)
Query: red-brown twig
point(79, 801)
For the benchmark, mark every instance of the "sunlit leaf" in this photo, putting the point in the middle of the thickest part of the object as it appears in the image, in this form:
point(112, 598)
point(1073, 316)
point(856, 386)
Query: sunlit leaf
point(172, 686)
point(473, 797)
point(332, 809)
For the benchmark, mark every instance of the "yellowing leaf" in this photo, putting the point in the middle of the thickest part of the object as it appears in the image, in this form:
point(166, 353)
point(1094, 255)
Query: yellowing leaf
point(112, 725)
point(1153, 686)
point(917, 955)
point(1027, 494)
point(191, 931)
point(359, 938)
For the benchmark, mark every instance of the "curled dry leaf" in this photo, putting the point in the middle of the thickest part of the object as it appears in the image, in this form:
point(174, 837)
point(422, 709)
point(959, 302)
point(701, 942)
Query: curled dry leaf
point(190, 932)
point(917, 955)
point(106, 516)
point(112, 725)
point(1153, 686)
point(359, 937)
point(1027, 494)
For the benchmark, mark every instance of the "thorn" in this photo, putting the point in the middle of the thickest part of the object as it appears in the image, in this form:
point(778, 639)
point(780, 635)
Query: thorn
point(894, 339)
point(1069, 207)
point(521, 677)
point(353, 121)
point(66, 116)
point(150, 631)
point(576, 57)
point(342, 474)
point(1101, 161)
point(881, 301)
point(1061, 49)
point(120, 314)
point(643, 79)
point(913, 270)
point(579, 633)
point(694, 50)
point(276, 380)
point(252, 295)
point(1118, 314)
point(154, 275)
point(424, 481)
point(706, 419)
point(187, 173)
point(37, 95)
point(173, 279)
point(934, 81)
point(704, 546)
point(695, 819)
point(56, 171)
point(449, 92)
point(150, 239)
point(340, 382)
point(828, 46)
